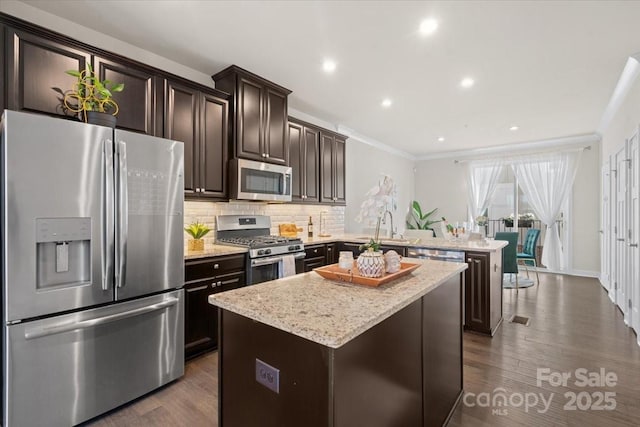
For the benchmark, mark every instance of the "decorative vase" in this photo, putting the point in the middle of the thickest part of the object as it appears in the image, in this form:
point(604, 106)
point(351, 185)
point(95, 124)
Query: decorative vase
point(371, 264)
point(196, 245)
point(102, 119)
point(392, 261)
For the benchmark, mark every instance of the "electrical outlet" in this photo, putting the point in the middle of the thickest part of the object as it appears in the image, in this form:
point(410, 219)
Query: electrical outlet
point(268, 376)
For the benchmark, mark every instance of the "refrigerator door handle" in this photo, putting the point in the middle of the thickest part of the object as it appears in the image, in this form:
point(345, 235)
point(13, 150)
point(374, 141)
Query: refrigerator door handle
point(85, 324)
point(122, 212)
point(107, 214)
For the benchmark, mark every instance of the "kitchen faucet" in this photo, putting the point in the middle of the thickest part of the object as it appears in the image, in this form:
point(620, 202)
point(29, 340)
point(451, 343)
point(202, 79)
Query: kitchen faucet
point(392, 231)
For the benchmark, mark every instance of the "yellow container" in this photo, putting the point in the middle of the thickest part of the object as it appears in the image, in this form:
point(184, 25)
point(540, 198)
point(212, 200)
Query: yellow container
point(196, 245)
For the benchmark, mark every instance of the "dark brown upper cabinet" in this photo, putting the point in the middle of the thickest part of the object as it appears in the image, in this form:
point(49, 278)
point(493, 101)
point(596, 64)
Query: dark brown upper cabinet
point(304, 147)
point(36, 78)
point(199, 117)
point(259, 115)
point(332, 168)
point(137, 103)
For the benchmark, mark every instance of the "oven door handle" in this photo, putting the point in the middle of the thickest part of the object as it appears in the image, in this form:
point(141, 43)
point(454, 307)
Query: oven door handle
point(258, 262)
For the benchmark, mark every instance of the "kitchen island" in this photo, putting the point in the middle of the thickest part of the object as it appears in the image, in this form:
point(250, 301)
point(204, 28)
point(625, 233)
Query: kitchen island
point(308, 351)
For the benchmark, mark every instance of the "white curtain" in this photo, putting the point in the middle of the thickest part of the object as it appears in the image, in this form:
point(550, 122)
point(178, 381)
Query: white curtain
point(546, 179)
point(482, 178)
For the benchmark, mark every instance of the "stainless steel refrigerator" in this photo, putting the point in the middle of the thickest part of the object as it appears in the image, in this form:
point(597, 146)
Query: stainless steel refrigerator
point(92, 268)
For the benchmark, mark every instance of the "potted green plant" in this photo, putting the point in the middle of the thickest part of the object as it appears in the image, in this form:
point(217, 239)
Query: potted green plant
point(197, 230)
point(93, 98)
point(421, 221)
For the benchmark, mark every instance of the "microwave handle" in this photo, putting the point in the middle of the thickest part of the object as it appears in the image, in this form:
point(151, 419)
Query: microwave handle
point(287, 184)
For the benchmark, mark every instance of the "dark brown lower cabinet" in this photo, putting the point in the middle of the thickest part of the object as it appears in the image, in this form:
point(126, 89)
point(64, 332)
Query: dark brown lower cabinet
point(315, 256)
point(332, 253)
point(204, 277)
point(355, 248)
point(483, 292)
point(404, 371)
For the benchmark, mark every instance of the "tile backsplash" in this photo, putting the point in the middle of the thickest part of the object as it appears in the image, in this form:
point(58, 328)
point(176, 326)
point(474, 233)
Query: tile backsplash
point(205, 211)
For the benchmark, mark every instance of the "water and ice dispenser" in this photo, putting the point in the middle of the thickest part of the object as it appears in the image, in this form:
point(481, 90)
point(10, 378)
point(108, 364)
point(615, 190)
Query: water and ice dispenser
point(63, 252)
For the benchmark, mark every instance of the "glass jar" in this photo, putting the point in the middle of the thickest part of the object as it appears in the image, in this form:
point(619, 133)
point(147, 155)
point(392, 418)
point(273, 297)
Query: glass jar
point(345, 260)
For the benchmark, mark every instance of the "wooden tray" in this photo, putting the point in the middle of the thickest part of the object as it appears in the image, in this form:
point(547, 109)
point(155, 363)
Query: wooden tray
point(333, 272)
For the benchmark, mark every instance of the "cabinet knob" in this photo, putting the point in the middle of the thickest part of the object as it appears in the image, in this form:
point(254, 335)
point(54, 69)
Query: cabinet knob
point(219, 283)
point(213, 285)
point(267, 155)
point(216, 266)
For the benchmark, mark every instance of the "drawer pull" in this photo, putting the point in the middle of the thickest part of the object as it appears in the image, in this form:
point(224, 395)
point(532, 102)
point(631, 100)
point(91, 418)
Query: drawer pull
point(216, 266)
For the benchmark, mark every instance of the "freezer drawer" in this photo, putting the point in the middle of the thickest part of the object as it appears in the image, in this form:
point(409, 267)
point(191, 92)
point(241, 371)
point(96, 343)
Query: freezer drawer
point(67, 369)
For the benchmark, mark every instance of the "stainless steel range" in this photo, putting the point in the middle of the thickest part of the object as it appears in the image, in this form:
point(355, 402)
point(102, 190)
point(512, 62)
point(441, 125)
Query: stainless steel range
point(267, 254)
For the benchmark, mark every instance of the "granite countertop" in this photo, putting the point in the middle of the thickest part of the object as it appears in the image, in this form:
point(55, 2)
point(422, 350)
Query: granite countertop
point(435, 243)
point(332, 313)
point(212, 250)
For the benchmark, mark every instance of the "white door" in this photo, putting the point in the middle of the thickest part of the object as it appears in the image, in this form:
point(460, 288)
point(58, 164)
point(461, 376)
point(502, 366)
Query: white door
point(620, 228)
point(605, 228)
point(633, 289)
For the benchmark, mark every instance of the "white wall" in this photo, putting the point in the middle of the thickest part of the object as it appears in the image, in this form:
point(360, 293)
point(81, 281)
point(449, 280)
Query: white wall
point(442, 184)
point(365, 164)
point(585, 217)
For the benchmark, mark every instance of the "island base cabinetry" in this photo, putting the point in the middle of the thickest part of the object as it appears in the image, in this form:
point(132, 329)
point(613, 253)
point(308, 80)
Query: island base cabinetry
point(483, 292)
point(406, 370)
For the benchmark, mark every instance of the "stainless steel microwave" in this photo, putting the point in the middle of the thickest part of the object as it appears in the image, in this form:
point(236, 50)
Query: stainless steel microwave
point(259, 181)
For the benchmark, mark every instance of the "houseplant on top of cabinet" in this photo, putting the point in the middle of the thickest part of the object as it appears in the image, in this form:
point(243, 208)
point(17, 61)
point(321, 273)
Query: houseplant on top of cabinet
point(197, 230)
point(93, 98)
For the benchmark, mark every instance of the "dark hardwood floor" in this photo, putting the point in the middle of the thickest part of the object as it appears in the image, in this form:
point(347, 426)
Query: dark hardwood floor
point(573, 325)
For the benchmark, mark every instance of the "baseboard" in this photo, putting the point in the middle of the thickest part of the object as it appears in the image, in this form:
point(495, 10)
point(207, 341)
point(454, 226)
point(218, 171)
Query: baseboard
point(580, 273)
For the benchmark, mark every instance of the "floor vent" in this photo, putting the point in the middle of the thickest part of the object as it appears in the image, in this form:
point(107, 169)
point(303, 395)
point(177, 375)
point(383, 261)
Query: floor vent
point(520, 319)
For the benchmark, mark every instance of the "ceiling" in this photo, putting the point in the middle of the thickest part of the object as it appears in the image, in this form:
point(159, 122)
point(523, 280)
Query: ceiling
point(548, 67)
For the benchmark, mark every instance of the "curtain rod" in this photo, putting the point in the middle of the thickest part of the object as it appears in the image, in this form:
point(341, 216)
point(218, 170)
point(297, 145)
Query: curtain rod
point(456, 161)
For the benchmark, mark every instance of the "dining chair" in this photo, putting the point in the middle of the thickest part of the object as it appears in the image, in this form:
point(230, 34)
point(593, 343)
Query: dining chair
point(509, 252)
point(528, 253)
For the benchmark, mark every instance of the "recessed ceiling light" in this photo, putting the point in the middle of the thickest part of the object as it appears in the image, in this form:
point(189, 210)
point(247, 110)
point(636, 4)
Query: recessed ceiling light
point(428, 26)
point(441, 139)
point(329, 66)
point(467, 82)
point(386, 103)
point(514, 128)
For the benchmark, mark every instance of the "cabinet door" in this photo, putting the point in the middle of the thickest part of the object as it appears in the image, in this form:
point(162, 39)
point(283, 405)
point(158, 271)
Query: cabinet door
point(137, 102)
point(310, 157)
point(249, 121)
point(214, 140)
point(332, 253)
point(36, 78)
point(275, 147)
point(477, 298)
point(201, 318)
point(339, 172)
point(326, 168)
point(311, 263)
point(296, 161)
point(400, 250)
point(181, 124)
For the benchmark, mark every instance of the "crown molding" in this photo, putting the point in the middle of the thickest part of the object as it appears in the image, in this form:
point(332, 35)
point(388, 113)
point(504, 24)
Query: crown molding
point(374, 143)
point(545, 144)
